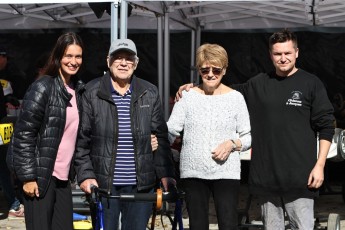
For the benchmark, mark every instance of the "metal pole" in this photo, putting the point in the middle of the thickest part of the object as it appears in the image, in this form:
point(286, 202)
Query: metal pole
point(114, 21)
point(166, 66)
point(192, 55)
point(198, 41)
point(160, 55)
point(123, 19)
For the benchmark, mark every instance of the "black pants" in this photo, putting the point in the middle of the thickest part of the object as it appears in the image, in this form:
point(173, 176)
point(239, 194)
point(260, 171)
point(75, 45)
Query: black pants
point(225, 195)
point(54, 211)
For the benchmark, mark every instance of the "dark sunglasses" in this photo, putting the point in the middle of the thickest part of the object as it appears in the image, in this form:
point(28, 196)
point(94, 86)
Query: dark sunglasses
point(215, 70)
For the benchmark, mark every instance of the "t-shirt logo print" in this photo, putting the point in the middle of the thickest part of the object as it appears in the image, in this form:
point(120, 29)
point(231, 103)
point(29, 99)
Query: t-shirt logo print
point(295, 99)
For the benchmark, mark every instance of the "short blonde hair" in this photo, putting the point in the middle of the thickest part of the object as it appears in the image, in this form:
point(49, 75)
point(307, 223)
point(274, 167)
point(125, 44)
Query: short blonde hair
point(213, 54)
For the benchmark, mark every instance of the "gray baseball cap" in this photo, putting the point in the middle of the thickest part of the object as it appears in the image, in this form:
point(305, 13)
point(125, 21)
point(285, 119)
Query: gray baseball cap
point(122, 44)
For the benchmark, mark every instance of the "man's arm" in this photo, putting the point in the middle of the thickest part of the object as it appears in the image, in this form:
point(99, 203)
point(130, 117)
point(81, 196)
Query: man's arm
point(82, 161)
point(316, 176)
point(322, 120)
point(162, 157)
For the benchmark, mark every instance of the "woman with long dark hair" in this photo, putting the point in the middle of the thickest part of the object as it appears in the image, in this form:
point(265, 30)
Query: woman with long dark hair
point(44, 138)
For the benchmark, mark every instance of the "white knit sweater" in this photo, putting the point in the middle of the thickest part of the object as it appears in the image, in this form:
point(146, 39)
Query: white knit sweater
point(207, 121)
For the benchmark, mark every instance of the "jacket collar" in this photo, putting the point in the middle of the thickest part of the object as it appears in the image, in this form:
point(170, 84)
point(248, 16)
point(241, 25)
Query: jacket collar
point(60, 84)
point(104, 91)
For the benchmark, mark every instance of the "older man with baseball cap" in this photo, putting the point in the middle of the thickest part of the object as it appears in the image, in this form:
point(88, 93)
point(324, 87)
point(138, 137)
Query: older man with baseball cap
point(119, 113)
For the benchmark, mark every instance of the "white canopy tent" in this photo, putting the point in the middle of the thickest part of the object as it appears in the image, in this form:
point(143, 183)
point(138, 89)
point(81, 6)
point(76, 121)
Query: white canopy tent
point(164, 16)
point(210, 15)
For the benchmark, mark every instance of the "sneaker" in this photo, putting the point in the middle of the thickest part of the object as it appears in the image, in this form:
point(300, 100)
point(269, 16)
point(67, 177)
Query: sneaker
point(17, 213)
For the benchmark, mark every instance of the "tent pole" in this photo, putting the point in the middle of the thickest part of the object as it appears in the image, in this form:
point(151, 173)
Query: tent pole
point(192, 55)
point(114, 21)
point(160, 55)
point(166, 66)
point(124, 18)
point(198, 41)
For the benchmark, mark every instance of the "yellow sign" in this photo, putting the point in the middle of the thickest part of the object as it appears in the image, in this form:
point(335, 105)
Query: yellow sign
point(82, 224)
point(6, 131)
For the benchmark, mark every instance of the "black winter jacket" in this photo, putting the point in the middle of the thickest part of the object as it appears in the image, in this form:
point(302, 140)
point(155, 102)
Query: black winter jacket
point(97, 137)
point(39, 129)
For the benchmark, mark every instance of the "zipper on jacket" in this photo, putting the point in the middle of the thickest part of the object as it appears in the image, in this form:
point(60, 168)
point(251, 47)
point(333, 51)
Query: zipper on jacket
point(114, 153)
point(62, 91)
point(135, 131)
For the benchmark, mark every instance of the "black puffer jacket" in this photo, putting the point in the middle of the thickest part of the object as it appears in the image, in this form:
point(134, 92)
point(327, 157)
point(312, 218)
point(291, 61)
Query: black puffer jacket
point(39, 129)
point(97, 137)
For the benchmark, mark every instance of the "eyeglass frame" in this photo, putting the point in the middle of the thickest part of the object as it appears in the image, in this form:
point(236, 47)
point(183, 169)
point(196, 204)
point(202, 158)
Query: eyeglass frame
point(133, 59)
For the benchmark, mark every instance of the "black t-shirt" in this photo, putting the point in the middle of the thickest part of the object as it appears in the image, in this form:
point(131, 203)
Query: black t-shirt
point(285, 114)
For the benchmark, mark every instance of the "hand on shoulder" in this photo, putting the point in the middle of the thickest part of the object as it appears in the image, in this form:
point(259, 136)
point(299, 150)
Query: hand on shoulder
point(183, 87)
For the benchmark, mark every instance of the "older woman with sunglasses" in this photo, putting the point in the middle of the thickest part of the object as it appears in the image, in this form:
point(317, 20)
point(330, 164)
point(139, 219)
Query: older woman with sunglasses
point(215, 131)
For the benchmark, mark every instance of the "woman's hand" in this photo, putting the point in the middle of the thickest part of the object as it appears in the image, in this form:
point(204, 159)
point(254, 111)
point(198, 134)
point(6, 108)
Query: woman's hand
point(30, 188)
point(154, 142)
point(222, 152)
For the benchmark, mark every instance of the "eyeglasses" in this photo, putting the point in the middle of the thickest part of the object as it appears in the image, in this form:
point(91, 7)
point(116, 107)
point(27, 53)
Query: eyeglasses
point(215, 70)
point(128, 60)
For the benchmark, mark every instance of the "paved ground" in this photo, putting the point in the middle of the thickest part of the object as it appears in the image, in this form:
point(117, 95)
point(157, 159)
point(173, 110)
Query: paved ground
point(324, 205)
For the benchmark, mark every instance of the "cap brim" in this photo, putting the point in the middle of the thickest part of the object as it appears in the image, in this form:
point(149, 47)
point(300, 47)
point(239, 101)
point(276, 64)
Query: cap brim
point(124, 49)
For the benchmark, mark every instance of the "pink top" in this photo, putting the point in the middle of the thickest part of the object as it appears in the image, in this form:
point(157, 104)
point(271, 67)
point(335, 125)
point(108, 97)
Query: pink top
point(67, 145)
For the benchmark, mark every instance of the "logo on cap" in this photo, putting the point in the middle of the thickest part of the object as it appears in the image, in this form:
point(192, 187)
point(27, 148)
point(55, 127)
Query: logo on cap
point(122, 44)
